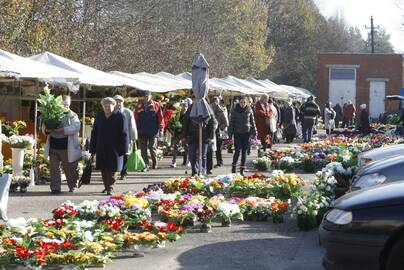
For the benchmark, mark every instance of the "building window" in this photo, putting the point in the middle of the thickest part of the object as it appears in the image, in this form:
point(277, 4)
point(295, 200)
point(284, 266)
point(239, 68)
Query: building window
point(342, 74)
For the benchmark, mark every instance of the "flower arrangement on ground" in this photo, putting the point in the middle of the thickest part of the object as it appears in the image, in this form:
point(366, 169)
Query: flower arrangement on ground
point(262, 164)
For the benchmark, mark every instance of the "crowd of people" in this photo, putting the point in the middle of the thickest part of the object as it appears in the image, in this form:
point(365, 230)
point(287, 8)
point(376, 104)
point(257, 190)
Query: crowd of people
point(117, 129)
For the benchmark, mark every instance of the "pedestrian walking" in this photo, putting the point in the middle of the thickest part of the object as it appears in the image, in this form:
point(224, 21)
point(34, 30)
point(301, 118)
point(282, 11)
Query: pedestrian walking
point(63, 148)
point(274, 117)
point(150, 124)
point(174, 127)
point(262, 121)
point(289, 122)
point(242, 127)
point(222, 119)
point(364, 125)
point(132, 131)
point(190, 134)
point(310, 112)
point(339, 115)
point(329, 118)
point(109, 142)
point(349, 114)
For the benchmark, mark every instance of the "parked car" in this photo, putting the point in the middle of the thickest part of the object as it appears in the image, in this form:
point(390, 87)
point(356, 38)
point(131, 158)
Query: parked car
point(380, 153)
point(365, 229)
point(379, 172)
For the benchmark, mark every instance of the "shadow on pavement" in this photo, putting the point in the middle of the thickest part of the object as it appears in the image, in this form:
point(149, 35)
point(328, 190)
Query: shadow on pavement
point(271, 253)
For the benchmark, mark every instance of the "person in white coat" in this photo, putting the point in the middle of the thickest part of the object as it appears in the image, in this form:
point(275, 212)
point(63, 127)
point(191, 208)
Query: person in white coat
point(329, 118)
point(132, 130)
point(63, 147)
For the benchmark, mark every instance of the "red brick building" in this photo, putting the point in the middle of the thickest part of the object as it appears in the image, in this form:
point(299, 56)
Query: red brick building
point(361, 78)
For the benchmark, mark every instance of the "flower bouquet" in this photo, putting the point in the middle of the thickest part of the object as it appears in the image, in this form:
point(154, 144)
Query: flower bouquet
point(89, 120)
point(286, 186)
point(52, 109)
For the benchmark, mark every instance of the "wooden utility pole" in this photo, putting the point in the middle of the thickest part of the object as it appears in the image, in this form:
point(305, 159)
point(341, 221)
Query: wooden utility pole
point(372, 33)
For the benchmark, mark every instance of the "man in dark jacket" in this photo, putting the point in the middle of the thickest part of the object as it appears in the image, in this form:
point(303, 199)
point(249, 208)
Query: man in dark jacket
point(149, 122)
point(310, 111)
point(339, 115)
point(190, 132)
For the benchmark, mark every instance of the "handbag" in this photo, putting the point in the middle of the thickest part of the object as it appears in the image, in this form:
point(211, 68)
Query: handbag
point(135, 161)
point(223, 135)
point(86, 176)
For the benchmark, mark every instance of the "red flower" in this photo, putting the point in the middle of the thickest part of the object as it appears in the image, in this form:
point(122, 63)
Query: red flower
point(22, 251)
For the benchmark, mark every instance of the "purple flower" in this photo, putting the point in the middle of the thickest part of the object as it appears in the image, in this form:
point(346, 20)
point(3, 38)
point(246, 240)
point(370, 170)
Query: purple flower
point(191, 207)
point(113, 202)
point(187, 197)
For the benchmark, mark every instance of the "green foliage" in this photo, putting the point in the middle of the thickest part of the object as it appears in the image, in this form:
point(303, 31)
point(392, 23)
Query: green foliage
point(52, 109)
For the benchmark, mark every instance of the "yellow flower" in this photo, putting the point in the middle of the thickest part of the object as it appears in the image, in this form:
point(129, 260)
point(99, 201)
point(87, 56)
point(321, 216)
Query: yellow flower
point(129, 201)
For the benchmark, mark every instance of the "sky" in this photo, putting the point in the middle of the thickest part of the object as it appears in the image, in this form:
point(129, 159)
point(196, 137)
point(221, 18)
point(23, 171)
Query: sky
point(387, 13)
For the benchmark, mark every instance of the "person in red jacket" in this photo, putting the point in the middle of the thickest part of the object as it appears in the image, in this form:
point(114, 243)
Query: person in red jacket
point(150, 123)
point(262, 112)
point(349, 113)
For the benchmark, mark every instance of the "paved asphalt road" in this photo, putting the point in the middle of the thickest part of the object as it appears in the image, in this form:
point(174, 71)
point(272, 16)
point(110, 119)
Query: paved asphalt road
point(245, 245)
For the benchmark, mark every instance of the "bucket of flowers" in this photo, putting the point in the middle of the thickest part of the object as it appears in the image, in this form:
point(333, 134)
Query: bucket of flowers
point(287, 164)
point(278, 210)
point(306, 210)
point(262, 164)
point(205, 215)
point(226, 212)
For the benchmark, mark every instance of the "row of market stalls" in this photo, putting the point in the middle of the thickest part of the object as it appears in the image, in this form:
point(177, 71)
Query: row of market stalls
point(22, 79)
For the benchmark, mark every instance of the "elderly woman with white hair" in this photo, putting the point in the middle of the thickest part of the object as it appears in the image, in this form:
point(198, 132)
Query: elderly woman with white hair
point(63, 148)
point(289, 122)
point(109, 141)
point(364, 125)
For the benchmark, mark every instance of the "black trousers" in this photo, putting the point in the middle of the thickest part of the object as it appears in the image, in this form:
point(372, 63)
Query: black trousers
point(219, 157)
point(125, 160)
point(209, 159)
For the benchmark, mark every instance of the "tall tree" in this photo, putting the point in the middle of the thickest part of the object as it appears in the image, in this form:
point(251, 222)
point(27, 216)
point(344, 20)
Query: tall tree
point(381, 40)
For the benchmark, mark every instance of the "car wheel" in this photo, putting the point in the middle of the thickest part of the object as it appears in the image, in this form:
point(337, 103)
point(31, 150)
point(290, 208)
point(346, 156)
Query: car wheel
point(395, 258)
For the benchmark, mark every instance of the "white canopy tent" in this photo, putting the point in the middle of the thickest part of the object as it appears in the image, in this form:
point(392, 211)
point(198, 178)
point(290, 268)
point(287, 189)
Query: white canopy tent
point(296, 91)
point(16, 67)
point(87, 75)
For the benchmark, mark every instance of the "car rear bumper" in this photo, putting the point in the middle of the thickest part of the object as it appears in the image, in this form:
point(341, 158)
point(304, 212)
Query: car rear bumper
point(350, 250)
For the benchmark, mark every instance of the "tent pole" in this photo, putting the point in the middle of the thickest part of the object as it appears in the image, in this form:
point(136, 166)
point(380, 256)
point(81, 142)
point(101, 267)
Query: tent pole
point(1, 154)
point(200, 150)
point(36, 119)
point(84, 117)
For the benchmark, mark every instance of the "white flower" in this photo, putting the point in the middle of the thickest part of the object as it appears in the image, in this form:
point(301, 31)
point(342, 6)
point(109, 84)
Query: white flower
point(19, 222)
point(88, 236)
point(315, 212)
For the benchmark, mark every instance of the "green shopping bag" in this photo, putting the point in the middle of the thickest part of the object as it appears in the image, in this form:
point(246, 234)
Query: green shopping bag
point(135, 161)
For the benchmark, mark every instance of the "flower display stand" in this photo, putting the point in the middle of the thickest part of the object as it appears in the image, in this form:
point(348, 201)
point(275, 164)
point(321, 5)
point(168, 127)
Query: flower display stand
point(18, 160)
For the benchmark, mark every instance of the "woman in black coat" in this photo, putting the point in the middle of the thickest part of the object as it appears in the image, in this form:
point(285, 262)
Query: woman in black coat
point(109, 141)
point(289, 122)
point(364, 126)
